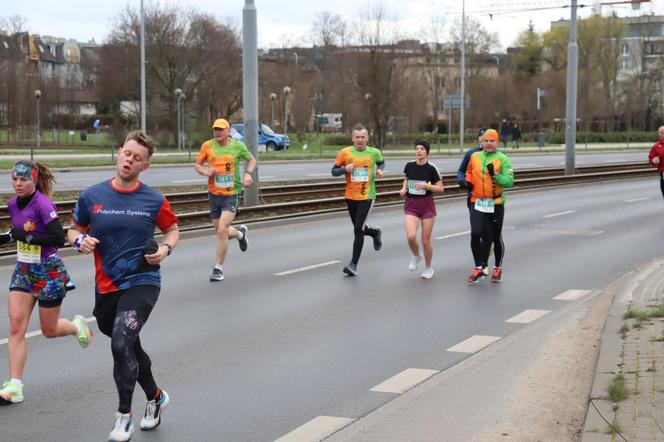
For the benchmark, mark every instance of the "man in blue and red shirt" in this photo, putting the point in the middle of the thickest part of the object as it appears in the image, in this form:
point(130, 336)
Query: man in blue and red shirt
point(115, 220)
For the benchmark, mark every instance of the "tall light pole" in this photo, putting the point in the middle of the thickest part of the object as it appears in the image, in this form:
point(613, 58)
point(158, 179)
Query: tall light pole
point(37, 96)
point(287, 92)
point(178, 96)
point(273, 98)
point(463, 73)
point(184, 136)
point(570, 113)
point(250, 92)
point(143, 98)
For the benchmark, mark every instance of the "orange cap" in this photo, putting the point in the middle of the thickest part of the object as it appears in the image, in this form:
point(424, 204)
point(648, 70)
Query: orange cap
point(490, 134)
point(220, 123)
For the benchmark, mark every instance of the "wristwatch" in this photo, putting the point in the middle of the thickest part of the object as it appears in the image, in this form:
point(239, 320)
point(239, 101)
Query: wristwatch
point(170, 248)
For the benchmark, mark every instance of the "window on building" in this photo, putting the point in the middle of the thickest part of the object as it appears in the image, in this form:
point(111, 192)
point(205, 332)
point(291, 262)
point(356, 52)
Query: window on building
point(440, 82)
point(625, 64)
point(625, 49)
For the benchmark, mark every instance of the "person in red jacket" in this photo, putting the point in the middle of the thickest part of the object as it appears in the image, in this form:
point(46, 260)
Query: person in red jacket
point(656, 157)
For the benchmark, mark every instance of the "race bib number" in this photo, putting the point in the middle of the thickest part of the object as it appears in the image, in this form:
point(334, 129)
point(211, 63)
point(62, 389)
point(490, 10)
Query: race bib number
point(359, 175)
point(28, 253)
point(225, 181)
point(415, 191)
point(484, 205)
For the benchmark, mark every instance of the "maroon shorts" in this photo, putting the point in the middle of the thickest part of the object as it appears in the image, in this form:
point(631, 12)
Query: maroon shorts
point(422, 208)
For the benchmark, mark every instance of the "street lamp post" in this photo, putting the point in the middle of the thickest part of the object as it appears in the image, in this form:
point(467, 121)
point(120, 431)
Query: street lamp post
point(463, 74)
point(143, 94)
point(184, 136)
point(287, 92)
point(273, 98)
point(367, 97)
point(37, 96)
point(570, 112)
point(178, 96)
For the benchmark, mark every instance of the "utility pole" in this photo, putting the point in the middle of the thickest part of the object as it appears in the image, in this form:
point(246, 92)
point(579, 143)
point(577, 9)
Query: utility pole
point(250, 93)
point(570, 114)
point(463, 73)
point(143, 99)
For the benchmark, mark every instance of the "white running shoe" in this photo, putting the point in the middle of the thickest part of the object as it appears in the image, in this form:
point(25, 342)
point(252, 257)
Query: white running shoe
point(427, 273)
point(414, 262)
point(153, 409)
point(123, 428)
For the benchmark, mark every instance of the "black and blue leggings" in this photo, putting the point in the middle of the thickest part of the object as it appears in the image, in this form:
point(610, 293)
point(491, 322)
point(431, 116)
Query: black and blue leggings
point(359, 212)
point(121, 316)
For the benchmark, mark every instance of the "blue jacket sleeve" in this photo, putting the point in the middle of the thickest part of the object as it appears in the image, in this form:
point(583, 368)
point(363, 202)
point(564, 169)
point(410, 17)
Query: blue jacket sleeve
point(461, 171)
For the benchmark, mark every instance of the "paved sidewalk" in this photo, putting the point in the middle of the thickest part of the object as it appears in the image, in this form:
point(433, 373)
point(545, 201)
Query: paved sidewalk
point(633, 348)
point(534, 384)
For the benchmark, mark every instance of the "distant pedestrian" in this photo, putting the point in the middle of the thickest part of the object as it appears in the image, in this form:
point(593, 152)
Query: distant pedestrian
point(516, 135)
point(505, 132)
point(656, 157)
point(360, 164)
point(421, 182)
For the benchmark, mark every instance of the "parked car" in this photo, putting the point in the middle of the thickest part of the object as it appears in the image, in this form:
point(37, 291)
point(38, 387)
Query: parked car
point(266, 136)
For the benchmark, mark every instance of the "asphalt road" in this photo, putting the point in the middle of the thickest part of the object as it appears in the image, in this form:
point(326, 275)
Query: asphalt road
point(77, 179)
point(257, 355)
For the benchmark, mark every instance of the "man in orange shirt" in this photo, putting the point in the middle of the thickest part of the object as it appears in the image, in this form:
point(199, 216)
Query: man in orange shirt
point(219, 160)
point(360, 164)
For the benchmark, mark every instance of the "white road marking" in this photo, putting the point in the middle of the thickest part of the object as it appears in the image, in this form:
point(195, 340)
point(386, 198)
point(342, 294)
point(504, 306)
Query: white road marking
point(473, 344)
point(404, 381)
point(637, 199)
point(191, 181)
point(320, 174)
point(311, 267)
point(453, 235)
point(527, 316)
point(571, 295)
point(526, 165)
point(552, 215)
point(32, 334)
point(316, 429)
point(267, 177)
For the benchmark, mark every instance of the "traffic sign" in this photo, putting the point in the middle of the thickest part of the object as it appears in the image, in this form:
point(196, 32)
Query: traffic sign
point(454, 102)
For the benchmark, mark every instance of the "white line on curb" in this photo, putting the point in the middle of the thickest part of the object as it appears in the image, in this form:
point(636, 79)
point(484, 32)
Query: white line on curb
point(571, 295)
point(551, 215)
point(32, 334)
point(473, 344)
point(316, 429)
point(527, 316)
point(404, 381)
point(303, 269)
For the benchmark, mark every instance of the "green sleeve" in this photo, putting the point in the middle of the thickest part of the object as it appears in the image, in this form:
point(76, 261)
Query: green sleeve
point(244, 152)
point(506, 176)
point(378, 155)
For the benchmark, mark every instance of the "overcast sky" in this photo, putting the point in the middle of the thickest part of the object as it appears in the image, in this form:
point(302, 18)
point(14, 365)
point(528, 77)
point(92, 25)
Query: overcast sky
point(290, 21)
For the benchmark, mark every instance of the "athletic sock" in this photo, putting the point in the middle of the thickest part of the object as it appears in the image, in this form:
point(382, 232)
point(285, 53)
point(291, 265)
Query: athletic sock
point(17, 382)
point(240, 237)
point(218, 266)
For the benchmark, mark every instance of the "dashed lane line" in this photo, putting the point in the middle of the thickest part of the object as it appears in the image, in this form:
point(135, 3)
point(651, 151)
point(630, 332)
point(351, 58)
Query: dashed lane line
point(304, 269)
point(637, 199)
point(198, 180)
point(454, 235)
point(527, 316)
point(32, 334)
point(473, 344)
point(553, 215)
point(404, 381)
point(571, 295)
point(316, 429)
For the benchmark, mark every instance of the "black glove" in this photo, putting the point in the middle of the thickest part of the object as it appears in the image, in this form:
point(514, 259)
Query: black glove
point(469, 186)
point(151, 247)
point(489, 168)
point(18, 234)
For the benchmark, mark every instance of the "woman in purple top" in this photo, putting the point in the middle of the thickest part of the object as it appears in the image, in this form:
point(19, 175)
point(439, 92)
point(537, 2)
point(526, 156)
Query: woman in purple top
point(421, 182)
point(40, 276)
